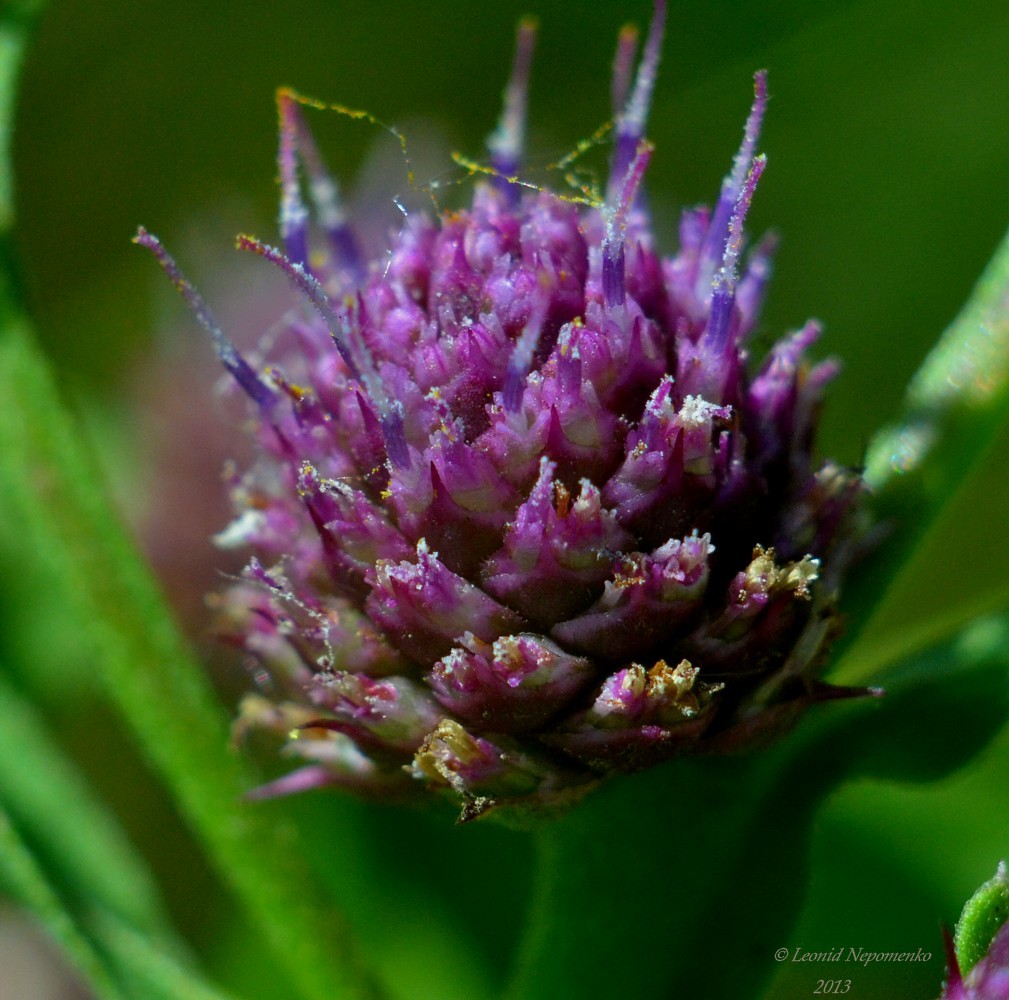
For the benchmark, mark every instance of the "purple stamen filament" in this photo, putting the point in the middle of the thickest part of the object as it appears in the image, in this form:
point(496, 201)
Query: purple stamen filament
point(508, 139)
point(352, 349)
point(616, 226)
point(240, 369)
point(631, 123)
point(723, 294)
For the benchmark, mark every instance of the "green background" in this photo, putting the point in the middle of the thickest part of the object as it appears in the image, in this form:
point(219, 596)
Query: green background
point(888, 144)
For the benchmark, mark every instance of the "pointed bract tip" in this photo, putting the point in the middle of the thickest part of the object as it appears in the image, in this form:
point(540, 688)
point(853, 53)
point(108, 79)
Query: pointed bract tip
point(525, 348)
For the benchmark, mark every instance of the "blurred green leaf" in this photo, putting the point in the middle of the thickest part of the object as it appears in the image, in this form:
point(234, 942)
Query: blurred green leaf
point(148, 972)
point(655, 873)
point(83, 878)
point(48, 483)
point(49, 488)
point(83, 846)
point(23, 879)
point(16, 19)
point(953, 410)
point(119, 961)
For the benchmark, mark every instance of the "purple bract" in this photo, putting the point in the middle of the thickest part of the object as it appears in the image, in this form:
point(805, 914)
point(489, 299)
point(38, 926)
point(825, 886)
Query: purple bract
point(525, 513)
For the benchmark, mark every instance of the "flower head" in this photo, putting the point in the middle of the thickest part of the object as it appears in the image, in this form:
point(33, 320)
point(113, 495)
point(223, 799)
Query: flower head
point(526, 512)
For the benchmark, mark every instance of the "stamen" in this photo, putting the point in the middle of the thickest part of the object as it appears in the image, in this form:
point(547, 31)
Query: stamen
point(631, 123)
point(723, 294)
point(623, 67)
point(507, 141)
point(714, 242)
point(525, 348)
point(323, 188)
point(293, 214)
point(242, 372)
point(616, 226)
point(352, 349)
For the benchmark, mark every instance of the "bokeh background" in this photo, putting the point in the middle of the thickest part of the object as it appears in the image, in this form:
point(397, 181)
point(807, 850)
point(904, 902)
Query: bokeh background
point(888, 181)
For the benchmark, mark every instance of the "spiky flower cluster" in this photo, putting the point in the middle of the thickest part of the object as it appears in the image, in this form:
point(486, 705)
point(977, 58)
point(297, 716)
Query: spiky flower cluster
point(525, 515)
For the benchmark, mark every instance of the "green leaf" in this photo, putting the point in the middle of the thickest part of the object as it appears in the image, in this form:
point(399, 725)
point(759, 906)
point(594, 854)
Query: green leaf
point(24, 880)
point(75, 869)
point(953, 409)
point(120, 961)
point(16, 20)
point(84, 848)
point(146, 969)
point(49, 484)
point(656, 871)
point(50, 490)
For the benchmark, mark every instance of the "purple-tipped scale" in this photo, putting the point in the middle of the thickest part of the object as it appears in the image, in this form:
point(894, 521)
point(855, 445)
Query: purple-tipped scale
point(526, 515)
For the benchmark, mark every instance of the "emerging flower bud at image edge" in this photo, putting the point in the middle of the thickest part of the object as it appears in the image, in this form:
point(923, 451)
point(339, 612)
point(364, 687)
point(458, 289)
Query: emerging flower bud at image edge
point(526, 512)
point(978, 959)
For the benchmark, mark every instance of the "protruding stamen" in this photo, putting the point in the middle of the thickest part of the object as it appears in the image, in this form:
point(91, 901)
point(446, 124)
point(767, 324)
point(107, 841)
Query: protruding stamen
point(723, 293)
point(525, 347)
point(623, 67)
point(240, 369)
point(734, 243)
point(352, 349)
point(507, 141)
point(323, 188)
point(631, 123)
point(293, 214)
point(616, 226)
point(714, 242)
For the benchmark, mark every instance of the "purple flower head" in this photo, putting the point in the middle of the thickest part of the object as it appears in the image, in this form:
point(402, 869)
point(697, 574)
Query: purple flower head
point(526, 512)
